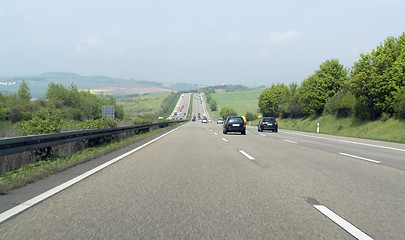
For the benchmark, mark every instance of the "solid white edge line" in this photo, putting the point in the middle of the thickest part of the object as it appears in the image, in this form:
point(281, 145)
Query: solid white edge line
point(224, 140)
point(35, 200)
point(246, 155)
point(354, 231)
point(351, 142)
point(285, 140)
point(361, 158)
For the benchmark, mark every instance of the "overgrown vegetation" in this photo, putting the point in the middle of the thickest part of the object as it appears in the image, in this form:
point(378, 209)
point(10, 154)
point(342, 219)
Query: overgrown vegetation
point(62, 109)
point(211, 102)
point(373, 89)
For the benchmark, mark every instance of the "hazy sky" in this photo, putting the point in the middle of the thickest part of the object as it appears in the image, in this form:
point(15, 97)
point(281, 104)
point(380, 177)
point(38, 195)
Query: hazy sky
point(207, 41)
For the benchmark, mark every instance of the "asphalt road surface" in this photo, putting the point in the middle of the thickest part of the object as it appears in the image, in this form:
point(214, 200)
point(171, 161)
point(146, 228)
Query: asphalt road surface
point(181, 109)
point(197, 183)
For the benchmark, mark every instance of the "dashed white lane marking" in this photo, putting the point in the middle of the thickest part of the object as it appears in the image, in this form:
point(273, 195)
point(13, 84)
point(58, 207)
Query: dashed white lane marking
point(354, 231)
point(285, 140)
point(246, 155)
point(263, 135)
point(33, 201)
point(358, 143)
point(224, 140)
point(361, 158)
point(215, 133)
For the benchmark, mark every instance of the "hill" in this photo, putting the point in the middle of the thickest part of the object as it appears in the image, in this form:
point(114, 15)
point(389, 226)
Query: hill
point(38, 84)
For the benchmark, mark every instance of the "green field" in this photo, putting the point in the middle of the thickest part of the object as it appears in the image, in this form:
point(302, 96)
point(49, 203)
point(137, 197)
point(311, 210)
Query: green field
point(242, 102)
point(145, 104)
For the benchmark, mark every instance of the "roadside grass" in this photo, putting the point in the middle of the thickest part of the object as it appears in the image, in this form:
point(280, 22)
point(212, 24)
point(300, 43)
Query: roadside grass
point(33, 172)
point(391, 130)
point(144, 104)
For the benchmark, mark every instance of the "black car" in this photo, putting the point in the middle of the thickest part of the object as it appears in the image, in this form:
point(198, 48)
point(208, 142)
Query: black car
point(234, 124)
point(267, 123)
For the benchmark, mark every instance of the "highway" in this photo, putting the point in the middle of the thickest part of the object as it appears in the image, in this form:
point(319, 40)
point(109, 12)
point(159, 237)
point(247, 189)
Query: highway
point(197, 183)
point(181, 109)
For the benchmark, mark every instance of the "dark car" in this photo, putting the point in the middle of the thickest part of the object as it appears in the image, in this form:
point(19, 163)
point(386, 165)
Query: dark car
point(267, 123)
point(234, 124)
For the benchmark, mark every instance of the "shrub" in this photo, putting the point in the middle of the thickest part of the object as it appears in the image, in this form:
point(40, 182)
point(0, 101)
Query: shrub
point(250, 116)
point(51, 124)
point(141, 120)
point(343, 104)
point(98, 123)
point(227, 111)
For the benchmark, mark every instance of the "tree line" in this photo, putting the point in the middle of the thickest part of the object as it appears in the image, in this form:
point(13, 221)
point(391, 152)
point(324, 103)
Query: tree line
point(62, 107)
point(373, 88)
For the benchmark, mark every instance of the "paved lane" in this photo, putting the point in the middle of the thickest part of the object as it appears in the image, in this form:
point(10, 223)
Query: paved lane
point(197, 183)
point(192, 184)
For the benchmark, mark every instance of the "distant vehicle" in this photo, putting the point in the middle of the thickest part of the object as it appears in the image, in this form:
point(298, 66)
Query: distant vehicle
point(267, 123)
point(204, 119)
point(220, 121)
point(234, 124)
point(193, 119)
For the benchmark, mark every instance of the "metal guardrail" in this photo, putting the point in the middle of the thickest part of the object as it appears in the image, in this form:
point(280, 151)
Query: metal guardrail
point(27, 143)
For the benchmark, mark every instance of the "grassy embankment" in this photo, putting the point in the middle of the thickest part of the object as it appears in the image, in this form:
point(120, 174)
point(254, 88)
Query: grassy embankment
point(391, 130)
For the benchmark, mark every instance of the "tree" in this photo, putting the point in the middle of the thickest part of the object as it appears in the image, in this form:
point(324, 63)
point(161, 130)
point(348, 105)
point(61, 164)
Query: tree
point(317, 88)
point(250, 116)
point(213, 104)
point(227, 111)
point(342, 104)
point(24, 91)
point(274, 100)
point(378, 77)
point(400, 103)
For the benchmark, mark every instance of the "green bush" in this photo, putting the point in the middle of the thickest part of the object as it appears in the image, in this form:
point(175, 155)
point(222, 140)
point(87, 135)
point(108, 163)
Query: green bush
point(141, 120)
point(343, 104)
point(98, 123)
point(227, 111)
point(250, 116)
point(50, 123)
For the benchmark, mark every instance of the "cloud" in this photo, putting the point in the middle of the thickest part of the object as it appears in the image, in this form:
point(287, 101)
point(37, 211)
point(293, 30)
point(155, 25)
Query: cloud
point(278, 38)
